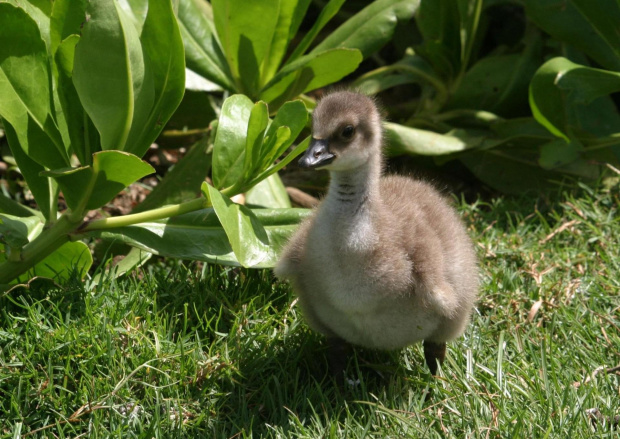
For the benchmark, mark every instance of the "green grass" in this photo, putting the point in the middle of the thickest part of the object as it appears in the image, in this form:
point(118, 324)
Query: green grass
point(188, 351)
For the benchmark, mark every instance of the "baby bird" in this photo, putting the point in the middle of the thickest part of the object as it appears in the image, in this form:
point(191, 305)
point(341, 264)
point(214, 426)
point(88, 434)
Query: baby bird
point(384, 261)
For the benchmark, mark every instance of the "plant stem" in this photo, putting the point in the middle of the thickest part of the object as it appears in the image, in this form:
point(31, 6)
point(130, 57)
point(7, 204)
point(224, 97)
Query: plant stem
point(149, 215)
point(37, 250)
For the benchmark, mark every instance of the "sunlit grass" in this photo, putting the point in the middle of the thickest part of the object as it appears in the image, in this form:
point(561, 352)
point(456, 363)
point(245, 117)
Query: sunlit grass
point(190, 351)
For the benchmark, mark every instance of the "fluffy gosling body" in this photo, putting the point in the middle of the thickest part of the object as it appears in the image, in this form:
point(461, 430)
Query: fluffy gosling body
point(384, 261)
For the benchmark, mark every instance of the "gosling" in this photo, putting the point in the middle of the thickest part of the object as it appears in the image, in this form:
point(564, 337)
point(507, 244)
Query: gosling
point(384, 261)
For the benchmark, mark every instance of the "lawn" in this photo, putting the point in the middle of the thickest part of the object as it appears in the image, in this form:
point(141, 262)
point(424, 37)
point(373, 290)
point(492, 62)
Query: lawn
point(191, 350)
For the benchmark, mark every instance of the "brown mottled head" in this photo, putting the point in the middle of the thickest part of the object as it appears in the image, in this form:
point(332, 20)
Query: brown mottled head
point(346, 132)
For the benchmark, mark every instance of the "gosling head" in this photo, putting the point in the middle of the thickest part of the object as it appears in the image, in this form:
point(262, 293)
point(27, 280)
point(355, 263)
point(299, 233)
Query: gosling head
point(346, 133)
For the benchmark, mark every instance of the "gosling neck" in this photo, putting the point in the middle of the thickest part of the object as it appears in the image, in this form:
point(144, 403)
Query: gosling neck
point(352, 192)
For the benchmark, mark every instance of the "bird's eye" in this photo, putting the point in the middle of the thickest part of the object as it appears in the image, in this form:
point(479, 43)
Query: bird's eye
point(347, 132)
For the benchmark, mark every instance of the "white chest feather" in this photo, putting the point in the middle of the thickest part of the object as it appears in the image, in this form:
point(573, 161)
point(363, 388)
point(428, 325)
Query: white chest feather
point(352, 288)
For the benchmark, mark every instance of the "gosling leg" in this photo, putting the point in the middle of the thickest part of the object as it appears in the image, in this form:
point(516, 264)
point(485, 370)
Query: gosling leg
point(338, 352)
point(434, 353)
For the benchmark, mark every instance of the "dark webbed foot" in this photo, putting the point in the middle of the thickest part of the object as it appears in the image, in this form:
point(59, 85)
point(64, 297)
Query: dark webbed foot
point(433, 353)
point(338, 352)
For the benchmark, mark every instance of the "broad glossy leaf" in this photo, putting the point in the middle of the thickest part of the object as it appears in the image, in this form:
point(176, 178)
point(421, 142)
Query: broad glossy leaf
point(202, 50)
point(230, 140)
point(403, 139)
point(301, 147)
point(308, 73)
point(60, 264)
point(439, 24)
point(8, 206)
point(559, 153)
point(111, 172)
point(136, 10)
point(41, 187)
point(371, 28)
point(25, 82)
point(293, 115)
point(245, 30)
point(66, 19)
point(269, 193)
point(195, 82)
point(327, 13)
point(280, 39)
point(32, 139)
point(165, 60)
point(196, 111)
point(136, 257)
point(376, 82)
point(592, 27)
point(17, 231)
point(411, 69)
point(83, 136)
point(560, 86)
point(512, 171)
point(182, 182)
point(109, 74)
point(469, 16)
point(257, 125)
point(200, 236)
point(520, 128)
point(247, 237)
point(499, 83)
point(273, 143)
point(603, 16)
point(40, 11)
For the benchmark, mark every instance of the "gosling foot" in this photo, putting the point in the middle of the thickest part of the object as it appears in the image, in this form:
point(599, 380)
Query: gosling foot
point(434, 353)
point(338, 352)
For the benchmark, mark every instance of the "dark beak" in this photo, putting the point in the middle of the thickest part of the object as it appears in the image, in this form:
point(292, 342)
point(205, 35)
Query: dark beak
point(317, 154)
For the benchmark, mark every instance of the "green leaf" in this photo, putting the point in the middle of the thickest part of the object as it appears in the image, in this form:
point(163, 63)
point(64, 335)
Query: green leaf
point(246, 235)
point(469, 17)
point(327, 13)
point(109, 74)
point(257, 124)
point(281, 37)
point(182, 182)
point(202, 50)
point(409, 70)
point(83, 135)
point(512, 171)
point(90, 187)
point(137, 11)
point(371, 28)
point(559, 153)
point(269, 193)
point(245, 30)
point(499, 83)
point(591, 27)
point(25, 84)
point(15, 232)
point(165, 61)
point(301, 147)
point(559, 86)
point(293, 115)
point(403, 139)
point(43, 189)
point(230, 141)
point(136, 257)
point(308, 73)
point(40, 11)
point(8, 206)
point(60, 264)
point(603, 16)
point(200, 236)
point(439, 23)
point(66, 19)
